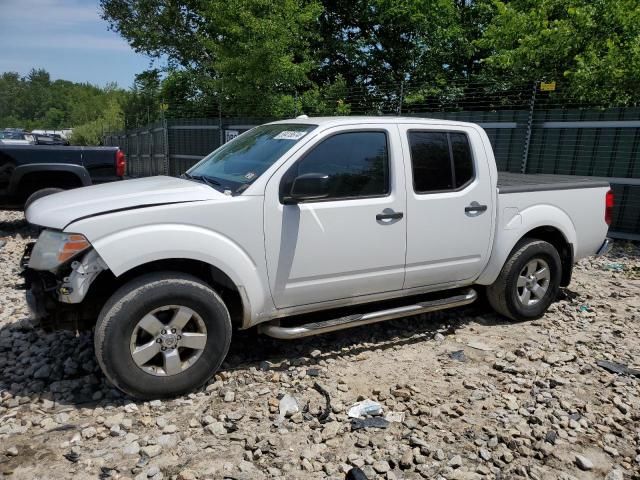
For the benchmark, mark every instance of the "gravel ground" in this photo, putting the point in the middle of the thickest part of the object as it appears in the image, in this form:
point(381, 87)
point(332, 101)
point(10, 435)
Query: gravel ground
point(465, 394)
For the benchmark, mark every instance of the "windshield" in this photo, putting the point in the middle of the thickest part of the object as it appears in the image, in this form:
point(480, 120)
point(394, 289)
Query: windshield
point(242, 160)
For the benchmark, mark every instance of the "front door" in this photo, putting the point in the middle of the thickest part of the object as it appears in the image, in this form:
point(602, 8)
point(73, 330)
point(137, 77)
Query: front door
point(351, 243)
point(449, 205)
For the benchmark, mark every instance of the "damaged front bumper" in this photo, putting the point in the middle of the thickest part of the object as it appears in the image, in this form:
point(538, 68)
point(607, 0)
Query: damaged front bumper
point(41, 288)
point(56, 299)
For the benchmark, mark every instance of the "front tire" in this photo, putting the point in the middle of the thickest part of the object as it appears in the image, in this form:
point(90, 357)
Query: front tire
point(528, 282)
point(161, 335)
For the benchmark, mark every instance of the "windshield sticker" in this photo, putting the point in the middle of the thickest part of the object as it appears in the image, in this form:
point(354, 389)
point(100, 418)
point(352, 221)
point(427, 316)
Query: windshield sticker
point(249, 175)
point(289, 135)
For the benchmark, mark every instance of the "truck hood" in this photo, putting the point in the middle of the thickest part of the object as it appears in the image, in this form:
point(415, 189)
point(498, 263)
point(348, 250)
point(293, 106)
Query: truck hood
point(60, 209)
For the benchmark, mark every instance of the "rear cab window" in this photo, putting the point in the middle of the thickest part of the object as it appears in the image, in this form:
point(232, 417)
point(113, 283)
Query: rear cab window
point(441, 161)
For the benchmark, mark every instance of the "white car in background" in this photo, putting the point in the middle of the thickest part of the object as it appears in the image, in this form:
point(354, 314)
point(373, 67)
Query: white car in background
point(15, 137)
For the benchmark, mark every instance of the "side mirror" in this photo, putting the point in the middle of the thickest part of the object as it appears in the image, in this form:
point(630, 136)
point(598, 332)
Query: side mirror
point(310, 186)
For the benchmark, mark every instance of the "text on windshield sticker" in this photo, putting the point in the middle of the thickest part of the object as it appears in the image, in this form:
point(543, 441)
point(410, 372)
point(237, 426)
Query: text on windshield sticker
point(289, 135)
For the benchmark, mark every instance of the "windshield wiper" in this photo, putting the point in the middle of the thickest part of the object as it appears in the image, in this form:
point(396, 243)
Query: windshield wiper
point(242, 188)
point(204, 179)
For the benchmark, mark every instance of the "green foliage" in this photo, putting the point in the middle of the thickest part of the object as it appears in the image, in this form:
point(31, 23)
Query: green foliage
point(277, 57)
point(382, 42)
point(35, 101)
point(592, 46)
point(259, 49)
point(327, 57)
point(242, 53)
point(91, 133)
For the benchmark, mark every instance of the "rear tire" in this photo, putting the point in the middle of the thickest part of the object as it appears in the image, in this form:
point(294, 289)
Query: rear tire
point(161, 335)
point(43, 192)
point(528, 282)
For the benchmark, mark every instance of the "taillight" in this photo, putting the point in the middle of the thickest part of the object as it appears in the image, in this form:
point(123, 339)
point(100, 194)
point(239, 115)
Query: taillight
point(608, 207)
point(121, 163)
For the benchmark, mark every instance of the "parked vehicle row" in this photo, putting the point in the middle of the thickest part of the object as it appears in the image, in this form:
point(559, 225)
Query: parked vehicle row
point(363, 219)
point(15, 137)
point(22, 137)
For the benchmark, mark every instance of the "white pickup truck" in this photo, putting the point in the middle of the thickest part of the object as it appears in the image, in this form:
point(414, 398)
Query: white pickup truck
point(390, 217)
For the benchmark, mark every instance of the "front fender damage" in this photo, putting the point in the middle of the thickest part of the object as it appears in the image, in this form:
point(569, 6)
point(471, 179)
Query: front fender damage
point(75, 286)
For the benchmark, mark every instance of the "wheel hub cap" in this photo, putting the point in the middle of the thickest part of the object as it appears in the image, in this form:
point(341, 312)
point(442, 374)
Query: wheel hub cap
point(533, 282)
point(168, 340)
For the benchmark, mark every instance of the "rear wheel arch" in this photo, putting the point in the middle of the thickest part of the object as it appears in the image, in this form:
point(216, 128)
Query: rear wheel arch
point(507, 293)
point(556, 238)
point(28, 179)
point(543, 222)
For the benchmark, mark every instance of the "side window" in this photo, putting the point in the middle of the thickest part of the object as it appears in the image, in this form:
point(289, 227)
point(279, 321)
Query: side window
point(462, 160)
point(430, 161)
point(440, 161)
point(357, 164)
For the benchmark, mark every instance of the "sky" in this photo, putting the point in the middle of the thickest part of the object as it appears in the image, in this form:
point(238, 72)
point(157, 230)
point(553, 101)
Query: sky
point(68, 39)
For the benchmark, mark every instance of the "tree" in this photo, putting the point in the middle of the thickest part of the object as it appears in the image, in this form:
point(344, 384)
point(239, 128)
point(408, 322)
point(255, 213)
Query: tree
point(246, 54)
point(376, 42)
point(279, 57)
point(54, 118)
point(92, 133)
point(592, 46)
point(143, 104)
point(35, 101)
point(273, 57)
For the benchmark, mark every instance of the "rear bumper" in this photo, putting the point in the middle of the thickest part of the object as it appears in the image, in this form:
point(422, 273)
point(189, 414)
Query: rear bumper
point(605, 247)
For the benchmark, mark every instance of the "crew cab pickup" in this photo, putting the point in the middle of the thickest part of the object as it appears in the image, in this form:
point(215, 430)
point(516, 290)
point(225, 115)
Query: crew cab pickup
point(28, 172)
point(352, 220)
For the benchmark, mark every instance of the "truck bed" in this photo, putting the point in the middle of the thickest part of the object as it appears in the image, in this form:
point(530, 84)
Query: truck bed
point(519, 183)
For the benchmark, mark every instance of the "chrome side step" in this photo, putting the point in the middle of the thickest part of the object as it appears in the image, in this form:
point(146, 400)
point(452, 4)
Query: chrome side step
point(316, 328)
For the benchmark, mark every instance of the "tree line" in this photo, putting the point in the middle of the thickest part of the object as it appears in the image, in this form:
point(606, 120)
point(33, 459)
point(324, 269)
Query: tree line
point(37, 102)
point(281, 57)
point(275, 57)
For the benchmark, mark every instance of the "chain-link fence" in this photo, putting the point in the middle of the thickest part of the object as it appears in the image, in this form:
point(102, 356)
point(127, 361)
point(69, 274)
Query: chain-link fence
point(533, 129)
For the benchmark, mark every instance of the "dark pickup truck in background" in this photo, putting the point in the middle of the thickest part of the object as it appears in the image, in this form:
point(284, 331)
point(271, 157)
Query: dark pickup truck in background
point(28, 172)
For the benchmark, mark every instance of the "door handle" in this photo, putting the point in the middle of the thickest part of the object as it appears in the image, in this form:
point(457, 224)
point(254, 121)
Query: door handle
point(475, 207)
point(390, 216)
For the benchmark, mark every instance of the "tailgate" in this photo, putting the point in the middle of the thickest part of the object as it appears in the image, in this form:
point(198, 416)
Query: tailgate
point(100, 162)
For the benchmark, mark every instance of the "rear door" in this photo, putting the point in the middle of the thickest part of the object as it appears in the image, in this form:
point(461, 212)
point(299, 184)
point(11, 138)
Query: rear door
point(449, 205)
point(350, 244)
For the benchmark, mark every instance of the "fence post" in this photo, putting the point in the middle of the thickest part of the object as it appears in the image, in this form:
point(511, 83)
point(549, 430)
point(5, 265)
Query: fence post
point(527, 139)
point(401, 98)
point(150, 147)
point(165, 143)
point(139, 149)
point(220, 123)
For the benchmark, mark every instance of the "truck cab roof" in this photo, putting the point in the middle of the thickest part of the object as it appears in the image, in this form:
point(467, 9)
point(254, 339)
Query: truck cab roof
point(358, 120)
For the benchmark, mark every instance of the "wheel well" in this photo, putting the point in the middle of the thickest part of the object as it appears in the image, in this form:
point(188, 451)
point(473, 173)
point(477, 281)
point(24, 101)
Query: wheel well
point(107, 283)
point(34, 181)
point(565, 249)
